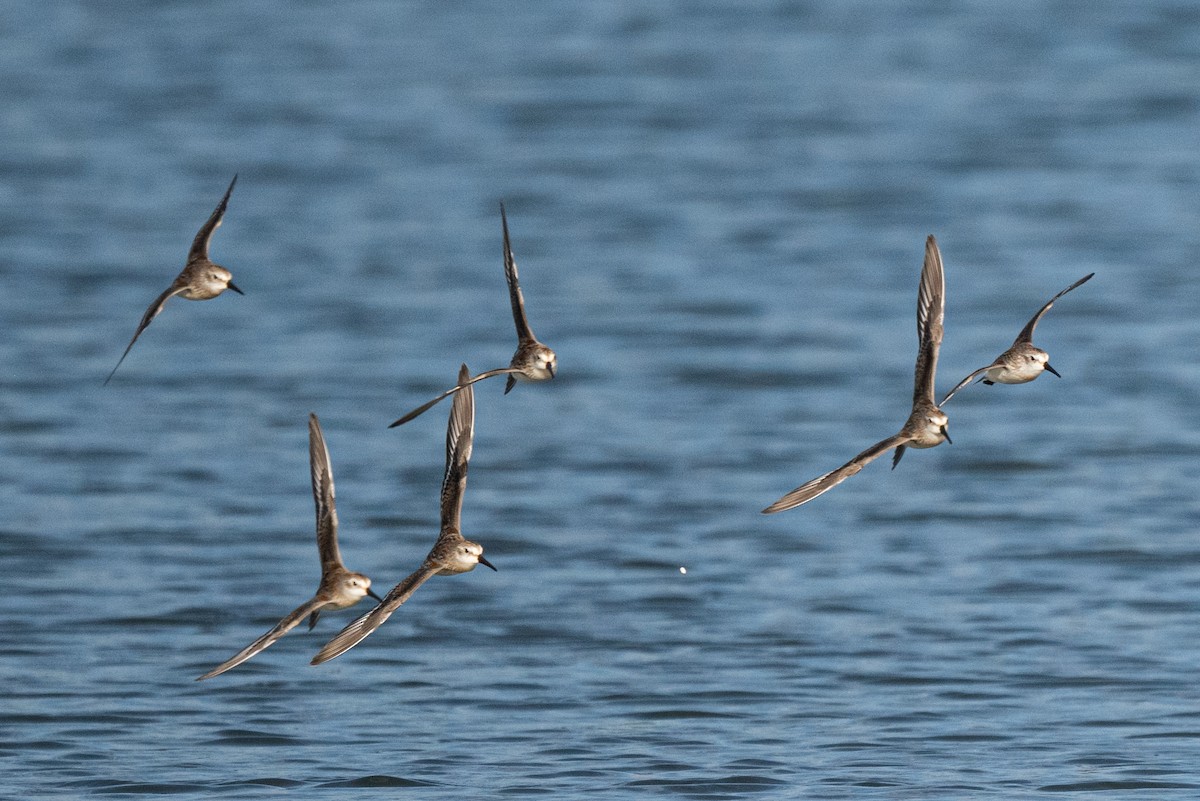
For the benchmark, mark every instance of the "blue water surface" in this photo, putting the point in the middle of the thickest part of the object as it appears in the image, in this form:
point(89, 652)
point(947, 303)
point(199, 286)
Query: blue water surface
point(719, 211)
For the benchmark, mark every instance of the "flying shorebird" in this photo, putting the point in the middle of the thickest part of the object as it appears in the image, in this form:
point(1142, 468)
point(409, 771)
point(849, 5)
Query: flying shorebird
point(339, 588)
point(926, 425)
point(452, 553)
point(200, 279)
point(1022, 362)
point(533, 361)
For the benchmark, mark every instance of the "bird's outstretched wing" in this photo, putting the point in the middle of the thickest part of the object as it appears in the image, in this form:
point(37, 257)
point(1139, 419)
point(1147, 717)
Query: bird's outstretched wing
point(358, 630)
point(417, 412)
point(931, 311)
point(460, 435)
point(199, 249)
point(968, 380)
point(155, 308)
point(323, 497)
point(1026, 334)
point(283, 627)
point(524, 332)
point(822, 484)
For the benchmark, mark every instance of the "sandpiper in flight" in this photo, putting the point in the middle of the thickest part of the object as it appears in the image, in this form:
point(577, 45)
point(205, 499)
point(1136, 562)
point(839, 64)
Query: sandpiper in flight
point(1022, 362)
point(339, 588)
point(926, 425)
point(533, 361)
point(200, 279)
point(452, 553)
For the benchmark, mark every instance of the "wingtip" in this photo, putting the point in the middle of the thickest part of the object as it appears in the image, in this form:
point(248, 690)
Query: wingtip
point(324, 655)
point(217, 671)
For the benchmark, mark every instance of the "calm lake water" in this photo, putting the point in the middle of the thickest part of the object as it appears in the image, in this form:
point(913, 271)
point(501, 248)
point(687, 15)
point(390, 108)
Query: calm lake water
point(719, 212)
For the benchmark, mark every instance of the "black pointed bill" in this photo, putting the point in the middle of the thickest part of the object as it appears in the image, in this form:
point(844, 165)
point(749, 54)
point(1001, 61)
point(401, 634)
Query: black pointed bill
point(1051, 369)
point(233, 286)
point(483, 561)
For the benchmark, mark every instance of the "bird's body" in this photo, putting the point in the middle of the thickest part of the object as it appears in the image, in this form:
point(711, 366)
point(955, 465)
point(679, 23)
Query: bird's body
point(340, 588)
point(1023, 361)
point(200, 278)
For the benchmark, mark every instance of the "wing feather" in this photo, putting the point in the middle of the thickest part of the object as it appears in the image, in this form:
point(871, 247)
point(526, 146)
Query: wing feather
point(524, 332)
point(968, 380)
point(323, 497)
point(417, 412)
point(199, 249)
point(460, 434)
point(1026, 334)
point(931, 310)
point(358, 630)
point(822, 484)
point(280, 629)
point(153, 311)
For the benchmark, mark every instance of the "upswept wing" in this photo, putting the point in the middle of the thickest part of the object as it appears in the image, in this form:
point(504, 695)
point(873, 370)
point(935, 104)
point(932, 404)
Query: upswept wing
point(524, 332)
point(460, 434)
point(204, 235)
point(931, 312)
point(323, 497)
point(1026, 334)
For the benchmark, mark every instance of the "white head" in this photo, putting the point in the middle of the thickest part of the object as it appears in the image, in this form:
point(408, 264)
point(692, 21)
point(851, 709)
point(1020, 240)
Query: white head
point(937, 421)
point(466, 556)
point(356, 585)
point(217, 279)
point(545, 362)
point(1038, 360)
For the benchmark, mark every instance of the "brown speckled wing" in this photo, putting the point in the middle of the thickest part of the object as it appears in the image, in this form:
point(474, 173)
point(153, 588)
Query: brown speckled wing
point(931, 311)
point(460, 434)
point(323, 497)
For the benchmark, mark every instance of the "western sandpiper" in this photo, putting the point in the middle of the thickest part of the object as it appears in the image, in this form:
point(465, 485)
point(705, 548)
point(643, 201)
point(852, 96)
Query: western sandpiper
point(926, 425)
point(1022, 362)
point(452, 553)
point(340, 588)
point(200, 279)
point(533, 361)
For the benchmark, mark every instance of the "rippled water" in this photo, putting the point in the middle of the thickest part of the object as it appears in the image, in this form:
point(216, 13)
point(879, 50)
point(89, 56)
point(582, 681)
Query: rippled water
point(719, 212)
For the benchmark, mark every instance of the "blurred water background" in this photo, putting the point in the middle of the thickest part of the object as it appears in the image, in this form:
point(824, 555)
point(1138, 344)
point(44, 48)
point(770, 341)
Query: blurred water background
point(719, 210)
